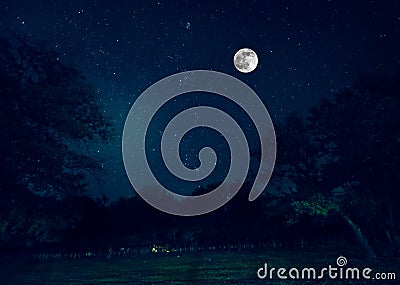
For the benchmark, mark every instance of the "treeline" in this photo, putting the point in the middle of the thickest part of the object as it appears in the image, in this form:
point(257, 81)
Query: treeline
point(132, 223)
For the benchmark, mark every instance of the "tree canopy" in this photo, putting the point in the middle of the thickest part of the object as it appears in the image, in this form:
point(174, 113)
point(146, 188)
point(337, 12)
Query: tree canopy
point(356, 154)
point(48, 113)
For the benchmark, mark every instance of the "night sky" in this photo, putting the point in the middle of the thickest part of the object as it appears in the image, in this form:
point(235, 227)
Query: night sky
point(306, 50)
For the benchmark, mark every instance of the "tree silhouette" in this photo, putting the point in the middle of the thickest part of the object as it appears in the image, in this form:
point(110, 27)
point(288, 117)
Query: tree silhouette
point(48, 113)
point(357, 156)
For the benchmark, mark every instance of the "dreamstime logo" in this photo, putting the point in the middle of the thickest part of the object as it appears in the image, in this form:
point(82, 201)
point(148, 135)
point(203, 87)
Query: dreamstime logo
point(341, 261)
point(330, 272)
point(148, 104)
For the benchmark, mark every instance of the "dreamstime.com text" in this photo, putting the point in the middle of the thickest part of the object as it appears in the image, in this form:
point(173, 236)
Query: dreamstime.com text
point(339, 272)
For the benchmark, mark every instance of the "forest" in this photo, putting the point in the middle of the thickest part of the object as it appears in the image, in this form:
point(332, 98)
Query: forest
point(335, 182)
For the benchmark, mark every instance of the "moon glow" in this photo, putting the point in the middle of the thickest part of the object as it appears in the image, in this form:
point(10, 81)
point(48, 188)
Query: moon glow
point(245, 60)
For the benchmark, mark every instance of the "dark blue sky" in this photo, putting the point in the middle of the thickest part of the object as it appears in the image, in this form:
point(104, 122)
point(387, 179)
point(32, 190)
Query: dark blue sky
point(306, 49)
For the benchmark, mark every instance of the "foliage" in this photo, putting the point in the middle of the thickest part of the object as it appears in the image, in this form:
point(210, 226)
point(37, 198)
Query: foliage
point(48, 113)
point(351, 167)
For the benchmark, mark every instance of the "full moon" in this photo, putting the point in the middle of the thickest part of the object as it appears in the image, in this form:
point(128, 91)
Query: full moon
point(245, 60)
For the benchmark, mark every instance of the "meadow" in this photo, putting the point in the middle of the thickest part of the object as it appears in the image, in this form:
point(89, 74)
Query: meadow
point(237, 267)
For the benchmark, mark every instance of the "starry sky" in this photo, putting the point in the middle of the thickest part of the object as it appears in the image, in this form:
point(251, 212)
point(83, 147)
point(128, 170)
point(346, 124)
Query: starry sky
point(306, 50)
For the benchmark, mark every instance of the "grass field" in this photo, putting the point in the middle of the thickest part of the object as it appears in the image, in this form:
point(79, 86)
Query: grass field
point(189, 268)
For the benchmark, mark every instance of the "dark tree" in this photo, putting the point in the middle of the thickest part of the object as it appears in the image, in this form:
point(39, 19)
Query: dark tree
point(357, 136)
point(48, 115)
